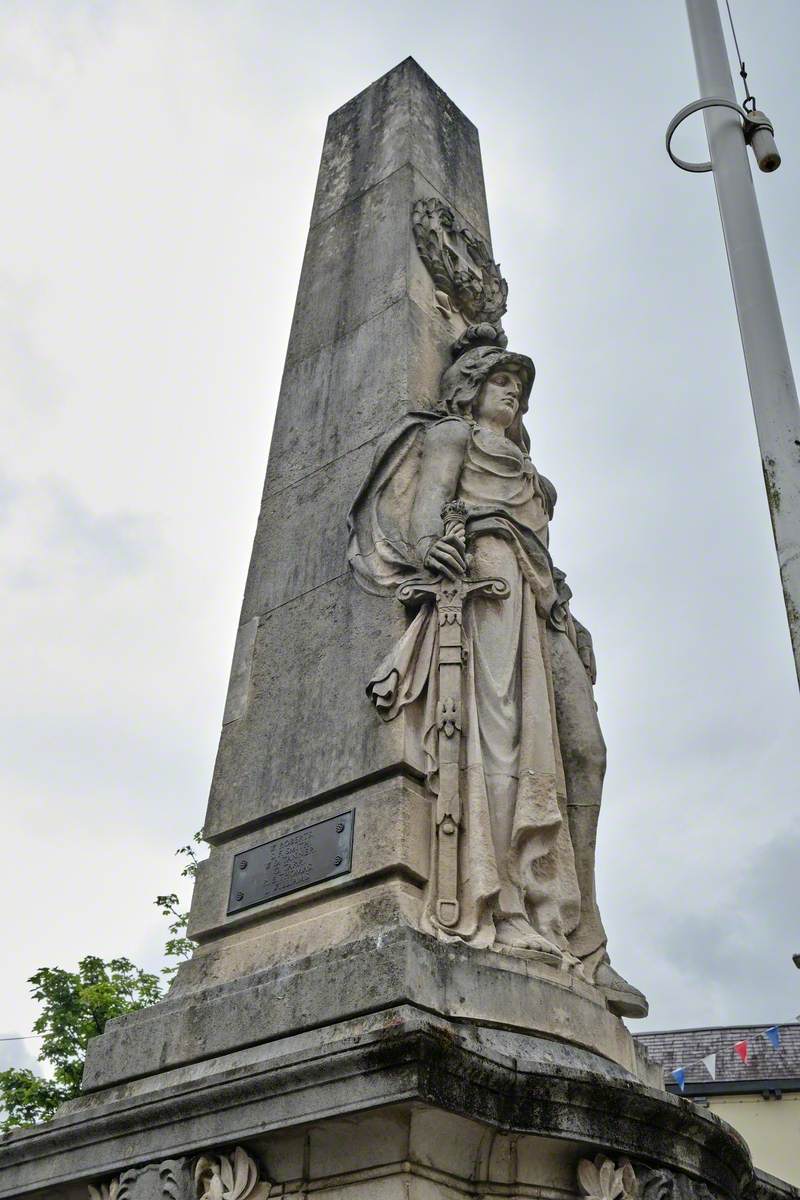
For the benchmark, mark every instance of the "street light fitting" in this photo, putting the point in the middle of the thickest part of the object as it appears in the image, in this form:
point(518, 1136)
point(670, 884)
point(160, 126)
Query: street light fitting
point(757, 128)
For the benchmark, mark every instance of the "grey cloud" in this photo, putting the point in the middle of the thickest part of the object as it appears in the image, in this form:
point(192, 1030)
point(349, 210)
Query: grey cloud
point(762, 890)
point(18, 1053)
point(113, 544)
point(31, 377)
point(60, 537)
point(735, 948)
point(116, 763)
point(26, 579)
point(8, 493)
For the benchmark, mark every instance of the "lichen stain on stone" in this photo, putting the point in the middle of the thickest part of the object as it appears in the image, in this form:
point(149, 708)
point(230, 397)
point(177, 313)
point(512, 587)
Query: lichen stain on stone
point(793, 614)
point(773, 491)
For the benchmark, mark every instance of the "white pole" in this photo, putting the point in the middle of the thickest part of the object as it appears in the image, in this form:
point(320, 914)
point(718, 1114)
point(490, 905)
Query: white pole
point(766, 354)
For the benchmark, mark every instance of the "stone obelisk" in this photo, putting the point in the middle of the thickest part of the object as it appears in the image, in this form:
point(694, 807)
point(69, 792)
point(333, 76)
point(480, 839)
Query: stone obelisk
point(394, 993)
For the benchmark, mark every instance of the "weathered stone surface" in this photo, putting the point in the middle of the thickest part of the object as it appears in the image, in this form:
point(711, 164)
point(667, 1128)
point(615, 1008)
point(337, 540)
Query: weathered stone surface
point(604, 1178)
point(342, 395)
point(416, 1096)
point(298, 738)
point(239, 686)
point(219, 1175)
point(382, 965)
point(403, 117)
point(356, 264)
point(367, 343)
point(767, 1187)
point(310, 517)
point(391, 839)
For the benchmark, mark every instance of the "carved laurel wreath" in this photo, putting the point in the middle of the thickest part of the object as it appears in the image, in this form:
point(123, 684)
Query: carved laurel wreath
point(466, 278)
point(233, 1175)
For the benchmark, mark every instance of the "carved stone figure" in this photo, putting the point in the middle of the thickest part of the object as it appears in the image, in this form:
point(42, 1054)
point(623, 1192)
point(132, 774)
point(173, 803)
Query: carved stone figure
point(511, 747)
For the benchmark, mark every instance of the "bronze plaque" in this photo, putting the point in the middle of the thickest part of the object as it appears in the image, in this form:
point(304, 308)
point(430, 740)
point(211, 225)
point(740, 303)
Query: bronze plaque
point(292, 862)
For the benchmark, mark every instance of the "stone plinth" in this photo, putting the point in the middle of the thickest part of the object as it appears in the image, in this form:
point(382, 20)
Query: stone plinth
point(390, 1103)
point(321, 986)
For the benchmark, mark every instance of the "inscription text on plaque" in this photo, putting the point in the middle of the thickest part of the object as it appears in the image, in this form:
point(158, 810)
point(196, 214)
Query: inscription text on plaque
point(294, 861)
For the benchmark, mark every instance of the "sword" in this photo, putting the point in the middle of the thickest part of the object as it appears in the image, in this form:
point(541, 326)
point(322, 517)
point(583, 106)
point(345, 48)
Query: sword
point(449, 596)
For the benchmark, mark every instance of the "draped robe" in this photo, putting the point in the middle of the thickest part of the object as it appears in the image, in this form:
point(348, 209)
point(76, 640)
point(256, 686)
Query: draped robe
point(515, 854)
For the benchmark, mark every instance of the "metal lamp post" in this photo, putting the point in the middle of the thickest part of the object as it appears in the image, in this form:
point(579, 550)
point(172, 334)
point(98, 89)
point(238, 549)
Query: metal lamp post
point(769, 371)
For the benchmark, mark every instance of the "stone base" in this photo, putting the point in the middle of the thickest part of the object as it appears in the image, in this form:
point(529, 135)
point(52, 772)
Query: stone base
point(398, 1103)
point(391, 966)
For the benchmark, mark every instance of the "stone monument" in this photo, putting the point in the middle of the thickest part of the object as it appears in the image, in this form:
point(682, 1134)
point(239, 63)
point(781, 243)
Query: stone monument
point(401, 986)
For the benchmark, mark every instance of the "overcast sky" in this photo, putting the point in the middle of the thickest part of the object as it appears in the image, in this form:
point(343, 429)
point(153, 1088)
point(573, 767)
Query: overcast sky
point(159, 165)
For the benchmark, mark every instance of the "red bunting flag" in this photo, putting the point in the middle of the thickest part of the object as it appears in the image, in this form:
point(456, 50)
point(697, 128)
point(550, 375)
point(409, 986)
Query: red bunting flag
point(741, 1049)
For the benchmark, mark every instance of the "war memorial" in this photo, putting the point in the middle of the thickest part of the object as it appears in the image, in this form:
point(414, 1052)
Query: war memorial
point(401, 988)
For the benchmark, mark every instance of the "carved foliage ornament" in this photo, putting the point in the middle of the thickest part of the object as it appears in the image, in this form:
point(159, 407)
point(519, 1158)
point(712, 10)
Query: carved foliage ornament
point(166, 1180)
point(656, 1183)
point(104, 1191)
point(229, 1177)
point(602, 1180)
point(465, 277)
point(226, 1175)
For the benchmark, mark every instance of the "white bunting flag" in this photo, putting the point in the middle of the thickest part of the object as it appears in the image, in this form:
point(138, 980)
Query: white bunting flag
point(710, 1064)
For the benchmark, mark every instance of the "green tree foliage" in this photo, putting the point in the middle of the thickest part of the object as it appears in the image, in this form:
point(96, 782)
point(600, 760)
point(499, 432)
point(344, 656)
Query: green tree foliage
point(75, 1006)
point(178, 944)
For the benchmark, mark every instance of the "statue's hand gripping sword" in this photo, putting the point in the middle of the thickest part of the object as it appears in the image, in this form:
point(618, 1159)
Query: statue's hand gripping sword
point(449, 596)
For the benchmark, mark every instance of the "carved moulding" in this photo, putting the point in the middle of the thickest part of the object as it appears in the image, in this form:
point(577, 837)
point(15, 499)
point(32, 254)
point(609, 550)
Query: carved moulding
point(602, 1179)
point(221, 1175)
point(657, 1183)
point(466, 278)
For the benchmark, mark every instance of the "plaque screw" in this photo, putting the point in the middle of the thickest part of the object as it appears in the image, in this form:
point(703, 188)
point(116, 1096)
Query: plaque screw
point(240, 895)
point(340, 827)
point(243, 865)
point(337, 862)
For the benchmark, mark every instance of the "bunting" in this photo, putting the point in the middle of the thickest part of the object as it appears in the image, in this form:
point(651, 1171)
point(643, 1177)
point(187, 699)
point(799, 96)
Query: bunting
point(710, 1064)
point(741, 1049)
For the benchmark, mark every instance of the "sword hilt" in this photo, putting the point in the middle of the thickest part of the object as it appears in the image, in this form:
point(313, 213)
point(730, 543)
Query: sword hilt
point(454, 518)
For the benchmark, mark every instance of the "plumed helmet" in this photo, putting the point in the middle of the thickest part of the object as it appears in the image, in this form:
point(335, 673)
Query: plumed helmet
point(461, 384)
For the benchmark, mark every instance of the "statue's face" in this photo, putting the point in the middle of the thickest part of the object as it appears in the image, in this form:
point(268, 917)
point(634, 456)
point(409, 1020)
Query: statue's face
point(498, 402)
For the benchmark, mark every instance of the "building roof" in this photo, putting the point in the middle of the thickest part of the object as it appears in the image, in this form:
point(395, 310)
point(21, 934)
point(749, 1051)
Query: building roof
point(766, 1067)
